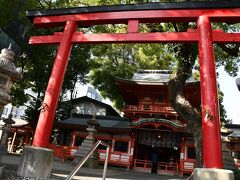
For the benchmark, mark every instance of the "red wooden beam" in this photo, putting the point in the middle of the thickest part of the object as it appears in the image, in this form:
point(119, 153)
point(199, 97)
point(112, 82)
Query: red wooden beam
point(211, 136)
point(118, 38)
point(49, 105)
point(147, 16)
point(168, 37)
point(48, 39)
point(133, 26)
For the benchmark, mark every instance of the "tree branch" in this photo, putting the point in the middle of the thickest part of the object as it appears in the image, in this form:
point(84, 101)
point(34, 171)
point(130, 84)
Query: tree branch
point(175, 27)
point(231, 51)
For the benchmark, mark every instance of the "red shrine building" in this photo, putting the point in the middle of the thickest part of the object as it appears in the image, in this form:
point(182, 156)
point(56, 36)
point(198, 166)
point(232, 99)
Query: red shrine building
point(150, 126)
point(156, 127)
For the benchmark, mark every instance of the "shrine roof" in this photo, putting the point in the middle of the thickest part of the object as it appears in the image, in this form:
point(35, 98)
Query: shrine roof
point(234, 136)
point(232, 131)
point(134, 7)
point(232, 126)
point(104, 121)
point(113, 122)
point(157, 77)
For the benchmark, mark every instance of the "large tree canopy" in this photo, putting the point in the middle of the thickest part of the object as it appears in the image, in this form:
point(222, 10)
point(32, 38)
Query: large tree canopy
point(37, 61)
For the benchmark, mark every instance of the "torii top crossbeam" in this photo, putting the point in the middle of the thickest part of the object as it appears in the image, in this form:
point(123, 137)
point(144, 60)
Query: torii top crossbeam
point(132, 15)
point(203, 13)
point(148, 12)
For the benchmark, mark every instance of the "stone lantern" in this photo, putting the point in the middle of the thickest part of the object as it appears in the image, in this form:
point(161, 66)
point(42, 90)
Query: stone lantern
point(88, 144)
point(8, 74)
point(92, 124)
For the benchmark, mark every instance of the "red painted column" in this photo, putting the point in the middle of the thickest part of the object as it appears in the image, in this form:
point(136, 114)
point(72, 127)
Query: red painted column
point(212, 149)
point(47, 114)
point(73, 139)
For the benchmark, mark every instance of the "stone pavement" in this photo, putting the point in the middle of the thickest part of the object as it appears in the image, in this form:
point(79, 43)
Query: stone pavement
point(61, 170)
point(120, 175)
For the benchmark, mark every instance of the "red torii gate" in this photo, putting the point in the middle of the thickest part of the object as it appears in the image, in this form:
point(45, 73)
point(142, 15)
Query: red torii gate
point(201, 12)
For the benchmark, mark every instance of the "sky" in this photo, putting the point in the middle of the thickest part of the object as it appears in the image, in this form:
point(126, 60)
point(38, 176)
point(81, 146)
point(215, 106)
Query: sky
point(231, 100)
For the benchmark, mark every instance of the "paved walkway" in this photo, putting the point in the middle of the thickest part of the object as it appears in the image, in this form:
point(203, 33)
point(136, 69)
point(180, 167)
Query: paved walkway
point(113, 175)
point(119, 176)
point(95, 174)
point(60, 170)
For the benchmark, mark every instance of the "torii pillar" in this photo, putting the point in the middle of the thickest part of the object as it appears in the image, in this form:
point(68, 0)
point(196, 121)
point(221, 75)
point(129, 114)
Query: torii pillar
point(212, 157)
point(211, 136)
point(40, 155)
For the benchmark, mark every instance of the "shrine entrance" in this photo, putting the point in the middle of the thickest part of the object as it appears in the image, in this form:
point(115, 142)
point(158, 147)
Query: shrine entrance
point(167, 143)
point(201, 13)
point(161, 145)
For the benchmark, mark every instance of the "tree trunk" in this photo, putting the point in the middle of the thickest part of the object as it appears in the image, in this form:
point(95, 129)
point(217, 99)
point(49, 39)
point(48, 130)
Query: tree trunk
point(188, 113)
point(180, 104)
point(197, 136)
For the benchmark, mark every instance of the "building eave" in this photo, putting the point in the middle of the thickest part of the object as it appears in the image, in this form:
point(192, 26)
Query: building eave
point(132, 7)
point(143, 82)
point(169, 123)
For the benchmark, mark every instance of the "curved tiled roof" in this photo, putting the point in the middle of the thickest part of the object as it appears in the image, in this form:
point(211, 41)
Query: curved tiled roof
point(152, 77)
point(104, 121)
point(176, 125)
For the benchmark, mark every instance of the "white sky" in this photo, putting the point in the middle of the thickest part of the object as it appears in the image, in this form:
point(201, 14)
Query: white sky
point(231, 99)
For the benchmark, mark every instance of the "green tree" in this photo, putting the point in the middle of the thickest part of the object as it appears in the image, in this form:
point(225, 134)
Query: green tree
point(37, 61)
point(77, 69)
point(8, 11)
point(36, 72)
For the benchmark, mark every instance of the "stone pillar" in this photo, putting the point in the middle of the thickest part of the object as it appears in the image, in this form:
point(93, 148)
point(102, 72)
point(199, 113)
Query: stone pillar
point(211, 174)
point(87, 145)
point(8, 74)
point(36, 162)
point(6, 130)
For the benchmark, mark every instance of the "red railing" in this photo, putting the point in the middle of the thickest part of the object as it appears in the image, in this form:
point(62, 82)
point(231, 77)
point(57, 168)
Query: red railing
point(145, 164)
point(162, 166)
point(234, 145)
point(187, 166)
point(63, 152)
point(162, 108)
point(168, 167)
point(116, 158)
